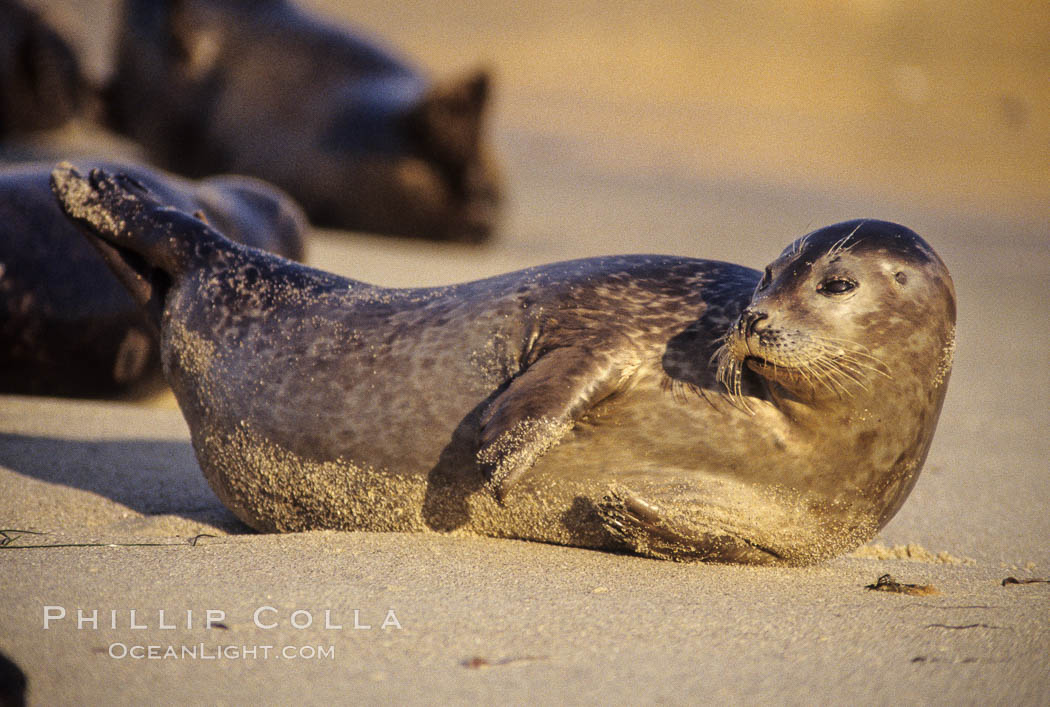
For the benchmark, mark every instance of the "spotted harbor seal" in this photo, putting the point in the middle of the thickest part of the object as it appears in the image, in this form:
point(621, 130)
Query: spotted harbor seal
point(674, 407)
point(358, 136)
point(67, 325)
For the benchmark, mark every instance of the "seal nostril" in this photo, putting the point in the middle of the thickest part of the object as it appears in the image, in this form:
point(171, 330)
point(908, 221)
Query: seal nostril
point(751, 322)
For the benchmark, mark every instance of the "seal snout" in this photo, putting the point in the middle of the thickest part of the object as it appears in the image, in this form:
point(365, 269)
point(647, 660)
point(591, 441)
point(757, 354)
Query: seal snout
point(749, 328)
point(750, 320)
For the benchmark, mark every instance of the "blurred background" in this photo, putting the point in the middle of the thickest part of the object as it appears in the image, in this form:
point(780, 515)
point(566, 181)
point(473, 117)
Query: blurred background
point(942, 102)
point(679, 126)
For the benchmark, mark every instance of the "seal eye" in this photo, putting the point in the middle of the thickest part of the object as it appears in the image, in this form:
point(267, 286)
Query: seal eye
point(767, 276)
point(836, 286)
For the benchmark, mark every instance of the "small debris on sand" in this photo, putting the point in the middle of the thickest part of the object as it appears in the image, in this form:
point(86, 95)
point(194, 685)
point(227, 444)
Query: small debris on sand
point(886, 583)
point(1032, 580)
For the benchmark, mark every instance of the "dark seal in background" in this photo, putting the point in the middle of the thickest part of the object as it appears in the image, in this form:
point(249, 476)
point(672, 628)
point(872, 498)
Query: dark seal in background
point(41, 85)
point(360, 138)
point(68, 327)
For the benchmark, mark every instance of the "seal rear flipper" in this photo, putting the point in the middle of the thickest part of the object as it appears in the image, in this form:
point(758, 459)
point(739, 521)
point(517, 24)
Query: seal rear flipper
point(648, 530)
point(538, 408)
point(147, 244)
point(118, 209)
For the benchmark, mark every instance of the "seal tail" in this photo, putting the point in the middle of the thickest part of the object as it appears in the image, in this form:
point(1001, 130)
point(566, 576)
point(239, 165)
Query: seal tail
point(147, 244)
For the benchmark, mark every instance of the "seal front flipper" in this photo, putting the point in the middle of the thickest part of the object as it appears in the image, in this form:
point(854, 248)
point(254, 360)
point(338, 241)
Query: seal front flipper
point(647, 529)
point(539, 407)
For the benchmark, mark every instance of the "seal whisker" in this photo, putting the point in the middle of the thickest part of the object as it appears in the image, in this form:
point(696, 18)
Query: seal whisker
point(825, 374)
point(739, 391)
point(833, 376)
point(843, 377)
point(838, 356)
point(849, 369)
point(730, 375)
point(846, 350)
point(839, 246)
point(857, 367)
point(678, 392)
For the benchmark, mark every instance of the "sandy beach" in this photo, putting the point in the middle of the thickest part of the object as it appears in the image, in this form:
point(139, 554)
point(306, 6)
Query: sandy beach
point(704, 131)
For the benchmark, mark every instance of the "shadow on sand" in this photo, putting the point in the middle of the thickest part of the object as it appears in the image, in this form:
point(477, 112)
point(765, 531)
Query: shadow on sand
point(152, 477)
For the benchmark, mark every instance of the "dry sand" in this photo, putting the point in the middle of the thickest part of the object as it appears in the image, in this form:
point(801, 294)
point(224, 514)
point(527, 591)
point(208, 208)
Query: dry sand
point(710, 132)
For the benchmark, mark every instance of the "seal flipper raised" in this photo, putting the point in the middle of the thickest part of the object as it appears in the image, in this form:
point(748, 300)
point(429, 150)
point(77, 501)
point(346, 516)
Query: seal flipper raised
point(130, 228)
point(143, 226)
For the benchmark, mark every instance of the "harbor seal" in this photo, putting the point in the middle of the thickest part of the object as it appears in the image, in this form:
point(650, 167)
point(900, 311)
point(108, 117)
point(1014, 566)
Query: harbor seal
point(67, 325)
point(579, 403)
point(41, 84)
point(363, 140)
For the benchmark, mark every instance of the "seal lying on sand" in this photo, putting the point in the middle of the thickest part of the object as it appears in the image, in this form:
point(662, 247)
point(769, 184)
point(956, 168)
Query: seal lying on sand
point(575, 403)
point(263, 88)
point(67, 326)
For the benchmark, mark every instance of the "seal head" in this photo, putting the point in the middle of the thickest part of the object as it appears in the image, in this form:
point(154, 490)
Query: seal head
point(854, 321)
